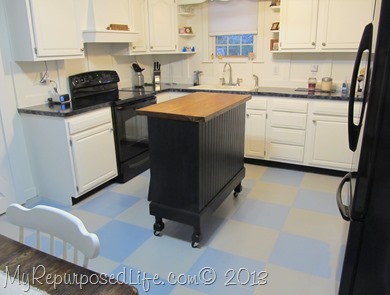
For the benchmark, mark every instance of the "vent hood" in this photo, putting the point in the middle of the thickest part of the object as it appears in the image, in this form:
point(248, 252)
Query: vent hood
point(109, 36)
point(106, 23)
point(189, 2)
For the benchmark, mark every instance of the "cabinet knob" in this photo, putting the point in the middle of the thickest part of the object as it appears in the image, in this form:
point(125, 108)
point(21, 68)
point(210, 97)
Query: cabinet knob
point(134, 47)
point(323, 44)
point(151, 47)
point(313, 43)
point(247, 115)
point(82, 49)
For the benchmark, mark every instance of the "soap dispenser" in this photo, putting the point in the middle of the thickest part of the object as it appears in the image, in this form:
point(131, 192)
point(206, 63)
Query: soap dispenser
point(196, 77)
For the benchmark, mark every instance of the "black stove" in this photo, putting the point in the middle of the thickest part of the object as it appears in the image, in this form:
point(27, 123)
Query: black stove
point(130, 129)
point(102, 86)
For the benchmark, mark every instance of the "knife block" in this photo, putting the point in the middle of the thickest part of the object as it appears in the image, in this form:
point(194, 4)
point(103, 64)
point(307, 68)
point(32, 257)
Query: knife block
point(156, 77)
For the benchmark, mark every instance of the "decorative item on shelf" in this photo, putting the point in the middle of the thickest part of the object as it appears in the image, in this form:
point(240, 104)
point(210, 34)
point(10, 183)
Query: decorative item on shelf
point(275, 3)
point(182, 31)
point(187, 30)
point(118, 27)
point(188, 49)
point(251, 56)
point(186, 9)
point(274, 44)
point(275, 26)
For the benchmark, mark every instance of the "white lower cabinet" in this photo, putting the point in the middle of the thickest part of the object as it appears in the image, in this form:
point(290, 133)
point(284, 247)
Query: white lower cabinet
point(286, 130)
point(327, 140)
point(298, 131)
point(70, 156)
point(255, 128)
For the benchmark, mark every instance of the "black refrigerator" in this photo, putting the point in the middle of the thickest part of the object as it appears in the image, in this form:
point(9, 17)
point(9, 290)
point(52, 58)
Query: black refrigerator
point(363, 196)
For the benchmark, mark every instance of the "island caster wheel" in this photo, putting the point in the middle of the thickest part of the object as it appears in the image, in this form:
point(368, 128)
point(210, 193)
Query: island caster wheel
point(158, 226)
point(195, 240)
point(237, 190)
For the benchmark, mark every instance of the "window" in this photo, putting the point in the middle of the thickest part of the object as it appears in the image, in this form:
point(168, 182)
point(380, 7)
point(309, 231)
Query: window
point(234, 45)
point(233, 26)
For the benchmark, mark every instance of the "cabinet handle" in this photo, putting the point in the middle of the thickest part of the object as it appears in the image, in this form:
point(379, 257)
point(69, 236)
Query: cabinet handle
point(247, 115)
point(134, 47)
point(323, 44)
point(313, 43)
point(151, 47)
point(82, 49)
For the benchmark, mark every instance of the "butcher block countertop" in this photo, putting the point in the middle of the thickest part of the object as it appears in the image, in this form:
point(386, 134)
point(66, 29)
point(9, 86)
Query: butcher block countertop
point(195, 107)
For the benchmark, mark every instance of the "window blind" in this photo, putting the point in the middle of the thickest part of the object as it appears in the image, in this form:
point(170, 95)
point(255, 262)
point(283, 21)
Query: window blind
point(235, 16)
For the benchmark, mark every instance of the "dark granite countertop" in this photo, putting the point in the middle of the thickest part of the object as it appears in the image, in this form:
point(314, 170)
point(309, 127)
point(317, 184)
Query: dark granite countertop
point(261, 91)
point(75, 108)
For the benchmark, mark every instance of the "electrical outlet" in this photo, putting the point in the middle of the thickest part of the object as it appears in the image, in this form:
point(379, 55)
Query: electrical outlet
point(276, 70)
point(44, 77)
point(314, 68)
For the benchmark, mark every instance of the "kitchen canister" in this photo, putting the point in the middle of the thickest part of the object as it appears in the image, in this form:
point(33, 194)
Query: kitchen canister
point(326, 84)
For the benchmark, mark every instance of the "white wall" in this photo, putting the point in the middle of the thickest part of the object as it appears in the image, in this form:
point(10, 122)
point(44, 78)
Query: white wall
point(273, 69)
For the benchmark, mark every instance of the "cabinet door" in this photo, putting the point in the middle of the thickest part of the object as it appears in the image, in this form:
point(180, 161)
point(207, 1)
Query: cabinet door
point(94, 159)
point(255, 133)
point(56, 32)
point(298, 24)
point(138, 12)
point(162, 25)
point(328, 142)
point(344, 22)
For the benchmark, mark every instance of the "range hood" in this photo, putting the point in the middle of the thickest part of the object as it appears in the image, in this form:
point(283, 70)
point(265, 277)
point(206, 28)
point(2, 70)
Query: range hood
point(109, 36)
point(189, 2)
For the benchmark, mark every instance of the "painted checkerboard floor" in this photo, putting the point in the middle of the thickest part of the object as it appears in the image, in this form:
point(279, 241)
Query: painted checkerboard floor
point(282, 235)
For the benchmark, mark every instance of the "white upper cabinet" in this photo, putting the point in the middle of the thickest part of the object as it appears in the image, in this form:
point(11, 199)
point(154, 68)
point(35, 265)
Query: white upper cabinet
point(44, 30)
point(162, 25)
point(139, 21)
point(323, 25)
point(343, 23)
point(298, 24)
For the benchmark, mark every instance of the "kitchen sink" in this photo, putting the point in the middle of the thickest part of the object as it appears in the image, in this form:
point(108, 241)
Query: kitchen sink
point(224, 87)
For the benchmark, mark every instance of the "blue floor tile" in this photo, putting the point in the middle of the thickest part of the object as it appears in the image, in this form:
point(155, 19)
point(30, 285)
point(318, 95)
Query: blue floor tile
point(119, 239)
point(218, 272)
point(262, 213)
point(316, 201)
point(109, 204)
point(302, 254)
point(283, 176)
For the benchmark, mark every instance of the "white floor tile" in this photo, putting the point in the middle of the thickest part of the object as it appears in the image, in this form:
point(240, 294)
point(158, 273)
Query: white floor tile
point(246, 240)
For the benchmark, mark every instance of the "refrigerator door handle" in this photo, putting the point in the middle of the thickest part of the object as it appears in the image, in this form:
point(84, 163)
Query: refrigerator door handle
point(344, 209)
point(353, 129)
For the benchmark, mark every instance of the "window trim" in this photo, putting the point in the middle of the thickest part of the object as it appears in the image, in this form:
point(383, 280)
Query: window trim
point(212, 47)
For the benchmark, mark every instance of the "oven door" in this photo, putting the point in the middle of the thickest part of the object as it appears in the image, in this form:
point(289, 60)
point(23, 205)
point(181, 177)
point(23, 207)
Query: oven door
point(131, 130)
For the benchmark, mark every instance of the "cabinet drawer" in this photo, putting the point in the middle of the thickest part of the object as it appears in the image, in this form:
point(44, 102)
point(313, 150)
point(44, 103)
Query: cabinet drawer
point(89, 120)
point(286, 152)
point(288, 120)
point(335, 108)
point(289, 106)
point(257, 104)
point(288, 136)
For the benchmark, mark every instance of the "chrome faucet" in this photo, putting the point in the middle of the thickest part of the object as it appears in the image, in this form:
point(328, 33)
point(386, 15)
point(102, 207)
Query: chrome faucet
point(230, 73)
point(256, 80)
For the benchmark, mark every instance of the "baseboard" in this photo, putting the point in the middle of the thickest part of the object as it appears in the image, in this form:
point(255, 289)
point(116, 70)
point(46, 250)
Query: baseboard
point(296, 167)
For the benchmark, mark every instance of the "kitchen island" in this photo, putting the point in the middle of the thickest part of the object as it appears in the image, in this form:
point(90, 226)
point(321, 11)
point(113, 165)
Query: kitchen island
point(196, 156)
